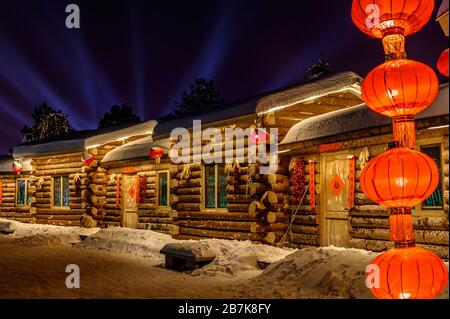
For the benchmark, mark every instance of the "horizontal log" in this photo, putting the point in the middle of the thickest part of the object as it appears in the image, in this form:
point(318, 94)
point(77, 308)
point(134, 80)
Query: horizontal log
point(215, 216)
point(188, 206)
point(238, 207)
point(188, 198)
point(305, 229)
point(308, 239)
point(216, 224)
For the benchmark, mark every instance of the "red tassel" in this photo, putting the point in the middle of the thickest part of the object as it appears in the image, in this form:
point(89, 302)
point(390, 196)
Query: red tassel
point(312, 185)
point(351, 182)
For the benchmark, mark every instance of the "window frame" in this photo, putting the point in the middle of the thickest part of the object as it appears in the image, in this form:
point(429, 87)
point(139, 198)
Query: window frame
point(62, 192)
point(158, 190)
point(418, 210)
point(27, 181)
point(216, 189)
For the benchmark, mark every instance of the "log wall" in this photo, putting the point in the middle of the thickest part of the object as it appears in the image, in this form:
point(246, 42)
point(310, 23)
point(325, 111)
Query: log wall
point(8, 207)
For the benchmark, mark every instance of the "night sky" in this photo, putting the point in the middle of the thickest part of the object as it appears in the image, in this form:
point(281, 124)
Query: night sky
point(146, 53)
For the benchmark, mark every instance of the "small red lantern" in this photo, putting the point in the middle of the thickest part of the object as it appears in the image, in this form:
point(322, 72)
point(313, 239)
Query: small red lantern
point(409, 273)
point(400, 87)
point(156, 152)
point(378, 18)
point(16, 167)
point(442, 63)
point(259, 136)
point(87, 158)
point(399, 177)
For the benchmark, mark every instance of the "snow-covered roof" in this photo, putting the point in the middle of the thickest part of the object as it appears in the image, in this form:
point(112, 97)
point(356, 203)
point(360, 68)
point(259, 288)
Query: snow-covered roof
point(82, 140)
point(6, 163)
point(339, 82)
point(355, 118)
point(136, 149)
point(442, 9)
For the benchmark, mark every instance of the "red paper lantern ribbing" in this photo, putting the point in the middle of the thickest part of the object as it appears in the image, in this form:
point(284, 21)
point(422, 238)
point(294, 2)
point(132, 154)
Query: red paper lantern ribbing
point(400, 87)
point(156, 152)
point(409, 273)
point(442, 63)
point(400, 16)
point(399, 177)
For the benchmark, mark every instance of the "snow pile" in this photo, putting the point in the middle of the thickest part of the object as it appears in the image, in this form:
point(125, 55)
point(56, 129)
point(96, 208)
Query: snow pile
point(325, 272)
point(233, 257)
point(239, 258)
point(142, 243)
point(40, 234)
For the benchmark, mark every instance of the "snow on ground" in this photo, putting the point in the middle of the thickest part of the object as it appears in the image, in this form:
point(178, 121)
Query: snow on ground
point(322, 272)
point(38, 234)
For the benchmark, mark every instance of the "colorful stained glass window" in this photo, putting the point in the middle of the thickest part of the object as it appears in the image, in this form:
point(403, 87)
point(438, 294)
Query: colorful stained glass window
point(435, 199)
point(61, 193)
point(163, 189)
point(23, 198)
point(215, 187)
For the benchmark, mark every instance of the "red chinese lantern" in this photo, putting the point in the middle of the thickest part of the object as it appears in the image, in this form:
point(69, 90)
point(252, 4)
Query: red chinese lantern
point(400, 87)
point(399, 177)
point(442, 63)
point(259, 136)
point(378, 18)
point(87, 158)
point(16, 167)
point(409, 273)
point(156, 152)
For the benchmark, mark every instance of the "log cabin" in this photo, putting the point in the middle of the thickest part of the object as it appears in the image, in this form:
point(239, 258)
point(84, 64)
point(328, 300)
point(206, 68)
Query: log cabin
point(326, 135)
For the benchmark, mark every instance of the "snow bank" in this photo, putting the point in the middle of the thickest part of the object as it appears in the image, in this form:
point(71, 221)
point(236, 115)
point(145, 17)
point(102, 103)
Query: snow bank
point(39, 234)
point(325, 272)
point(233, 258)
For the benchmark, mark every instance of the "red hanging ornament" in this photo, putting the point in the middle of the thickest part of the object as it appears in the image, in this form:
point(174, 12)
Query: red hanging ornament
point(87, 158)
point(312, 185)
point(259, 136)
point(298, 180)
point(442, 63)
point(117, 191)
point(16, 167)
point(156, 152)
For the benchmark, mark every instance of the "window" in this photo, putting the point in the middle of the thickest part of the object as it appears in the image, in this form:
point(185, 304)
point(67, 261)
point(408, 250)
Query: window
point(163, 188)
point(215, 186)
point(61, 194)
point(23, 197)
point(434, 202)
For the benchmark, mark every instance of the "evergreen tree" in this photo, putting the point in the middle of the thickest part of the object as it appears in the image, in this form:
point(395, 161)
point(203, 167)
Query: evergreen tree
point(319, 69)
point(119, 115)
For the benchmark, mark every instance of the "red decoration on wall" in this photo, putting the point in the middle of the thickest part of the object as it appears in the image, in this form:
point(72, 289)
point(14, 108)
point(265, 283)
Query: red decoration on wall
point(336, 184)
point(141, 189)
point(156, 152)
point(1, 193)
point(409, 273)
point(298, 180)
point(136, 190)
point(330, 147)
point(312, 185)
point(259, 136)
point(129, 170)
point(117, 191)
point(442, 63)
point(351, 181)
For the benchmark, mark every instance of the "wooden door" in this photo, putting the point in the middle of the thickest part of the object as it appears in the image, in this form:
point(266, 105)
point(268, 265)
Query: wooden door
point(334, 221)
point(129, 207)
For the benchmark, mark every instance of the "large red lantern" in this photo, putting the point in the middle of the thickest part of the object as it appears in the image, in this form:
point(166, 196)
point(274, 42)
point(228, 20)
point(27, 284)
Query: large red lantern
point(399, 177)
point(442, 63)
point(87, 158)
point(400, 87)
point(409, 273)
point(378, 18)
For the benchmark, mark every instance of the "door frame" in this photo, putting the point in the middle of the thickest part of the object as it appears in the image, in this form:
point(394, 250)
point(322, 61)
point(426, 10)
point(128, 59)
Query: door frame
point(122, 206)
point(322, 210)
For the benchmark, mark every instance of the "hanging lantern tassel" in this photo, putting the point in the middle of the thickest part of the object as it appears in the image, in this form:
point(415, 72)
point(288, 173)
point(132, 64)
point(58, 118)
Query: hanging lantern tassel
point(112, 179)
point(138, 195)
point(16, 167)
point(142, 190)
point(87, 158)
point(312, 185)
point(351, 181)
point(118, 191)
point(186, 172)
point(40, 182)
